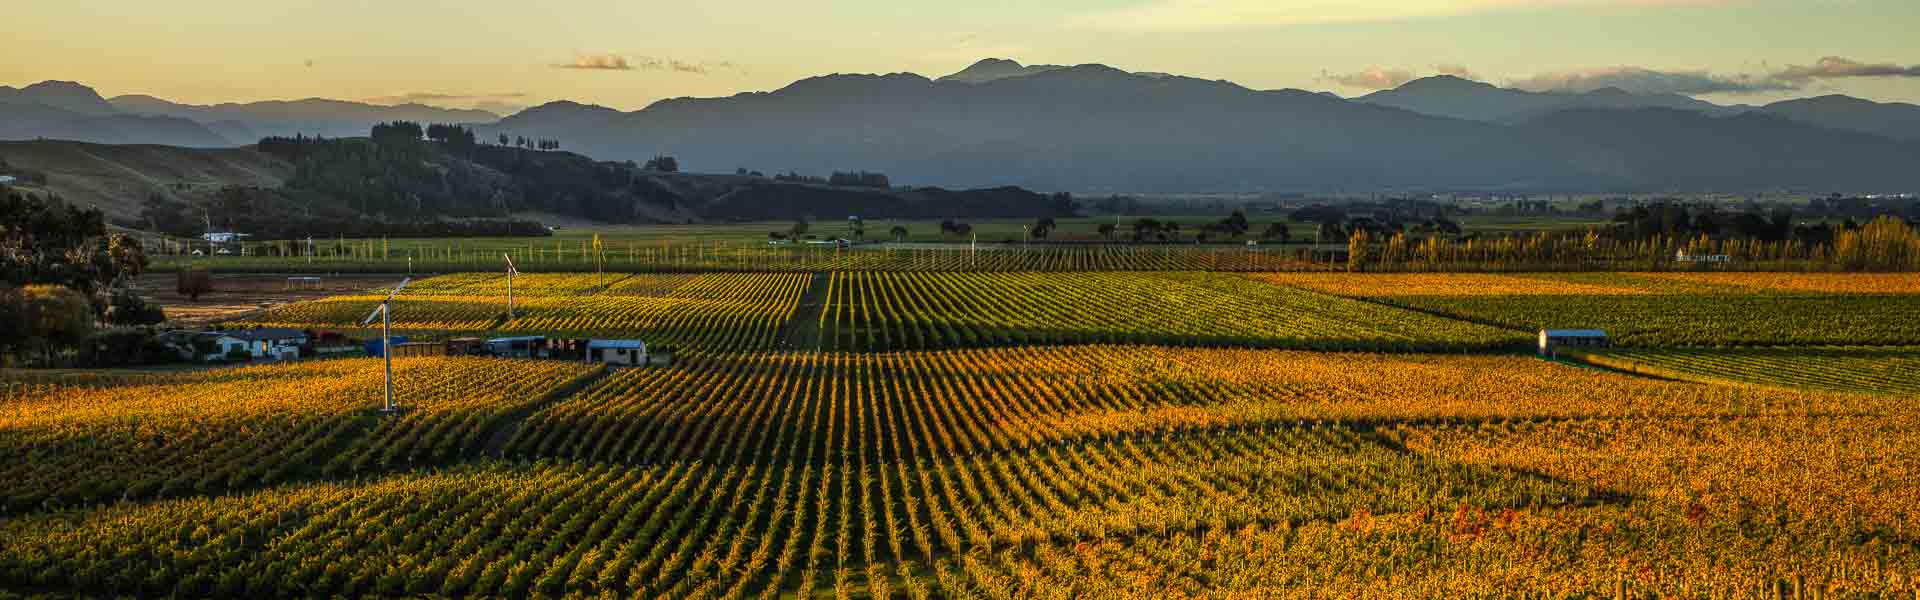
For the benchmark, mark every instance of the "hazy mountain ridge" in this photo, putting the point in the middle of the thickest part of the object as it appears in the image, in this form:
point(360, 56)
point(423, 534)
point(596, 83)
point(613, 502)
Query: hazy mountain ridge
point(310, 117)
point(1096, 128)
point(1450, 96)
point(1087, 128)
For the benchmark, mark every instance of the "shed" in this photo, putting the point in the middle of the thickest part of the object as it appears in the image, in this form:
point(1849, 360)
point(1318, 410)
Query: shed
point(1553, 339)
point(617, 352)
point(526, 346)
point(466, 346)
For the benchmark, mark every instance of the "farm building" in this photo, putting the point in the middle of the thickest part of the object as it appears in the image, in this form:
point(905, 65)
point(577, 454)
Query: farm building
point(617, 352)
point(1551, 340)
point(526, 346)
point(202, 346)
point(274, 343)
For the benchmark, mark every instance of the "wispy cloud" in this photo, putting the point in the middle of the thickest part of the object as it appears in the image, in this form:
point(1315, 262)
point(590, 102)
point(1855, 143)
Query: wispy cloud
point(622, 62)
point(1642, 80)
point(1375, 78)
point(597, 62)
point(1201, 15)
point(1834, 67)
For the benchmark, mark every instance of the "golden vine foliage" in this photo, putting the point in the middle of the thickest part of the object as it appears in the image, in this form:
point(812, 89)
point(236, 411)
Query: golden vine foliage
point(212, 430)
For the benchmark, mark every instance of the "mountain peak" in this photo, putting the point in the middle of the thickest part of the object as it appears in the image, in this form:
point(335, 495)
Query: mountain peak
point(65, 95)
point(990, 69)
point(1444, 83)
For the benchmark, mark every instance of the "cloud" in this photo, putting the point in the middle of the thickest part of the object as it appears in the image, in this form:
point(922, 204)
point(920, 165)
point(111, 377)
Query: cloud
point(1202, 15)
point(1834, 67)
point(620, 62)
point(1375, 78)
point(438, 98)
point(1642, 80)
point(597, 62)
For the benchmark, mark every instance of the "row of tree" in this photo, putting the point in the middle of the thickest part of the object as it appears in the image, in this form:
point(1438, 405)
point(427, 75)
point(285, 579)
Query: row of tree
point(1885, 244)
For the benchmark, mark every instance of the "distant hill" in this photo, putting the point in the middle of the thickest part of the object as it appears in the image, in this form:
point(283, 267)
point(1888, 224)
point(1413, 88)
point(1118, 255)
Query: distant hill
point(63, 110)
point(1891, 119)
point(310, 117)
point(1667, 149)
point(1094, 128)
point(117, 178)
point(287, 187)
point(1450, 96)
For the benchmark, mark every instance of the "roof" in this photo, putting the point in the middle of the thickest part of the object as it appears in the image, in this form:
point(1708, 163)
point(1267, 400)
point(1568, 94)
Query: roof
point(634, 344)
point(255, 335)
point(524, 338)
point(1574, 333)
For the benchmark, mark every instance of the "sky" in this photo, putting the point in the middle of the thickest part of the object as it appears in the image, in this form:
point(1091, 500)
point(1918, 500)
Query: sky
point(626, 54)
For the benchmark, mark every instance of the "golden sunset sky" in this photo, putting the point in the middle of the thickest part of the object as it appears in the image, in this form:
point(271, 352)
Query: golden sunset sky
point(625, 54)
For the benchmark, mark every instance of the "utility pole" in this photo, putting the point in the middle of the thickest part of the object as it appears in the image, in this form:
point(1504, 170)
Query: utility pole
point(386, 340)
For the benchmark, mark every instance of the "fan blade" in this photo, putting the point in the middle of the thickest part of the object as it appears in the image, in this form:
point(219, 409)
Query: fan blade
point(396, 289)
point(375, 313)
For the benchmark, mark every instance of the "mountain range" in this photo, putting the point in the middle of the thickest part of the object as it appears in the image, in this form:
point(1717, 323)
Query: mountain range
point(65, 110)
point(1094, 128)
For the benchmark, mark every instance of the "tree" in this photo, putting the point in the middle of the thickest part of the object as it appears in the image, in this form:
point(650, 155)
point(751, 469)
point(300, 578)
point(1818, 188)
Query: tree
point(1106, 231)
point(663, 164)
point(799, 228)
point(1359, 248)
point(55, 318)
point(192, 283)
point(1235, 225)
point(1042, 228)
point(899, 233)
point(124, 307)
point(1276, 231)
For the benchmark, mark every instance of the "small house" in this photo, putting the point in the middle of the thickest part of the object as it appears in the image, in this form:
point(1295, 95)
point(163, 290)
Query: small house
point(202, 346)
point(272, 343)
point(418, 349)
point(1551, 340)
point(617, 352)
point(7, 179)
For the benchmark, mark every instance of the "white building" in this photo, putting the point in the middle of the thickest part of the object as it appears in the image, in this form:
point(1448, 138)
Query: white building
point(223, 237)
point(272, 343)
point(6, 179)
point(1551, 340)
point(617, 352)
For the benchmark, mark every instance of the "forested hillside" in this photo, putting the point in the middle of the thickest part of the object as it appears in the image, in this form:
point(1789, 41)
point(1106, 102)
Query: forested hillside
point(409, 180)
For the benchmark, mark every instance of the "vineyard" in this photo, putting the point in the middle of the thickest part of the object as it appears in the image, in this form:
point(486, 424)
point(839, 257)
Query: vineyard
point(898, 311)
point(1032, 434)
point(1658, 309)
point(1874, 370)
point(718, 312)
point(1000, 472)
point(218, 430)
